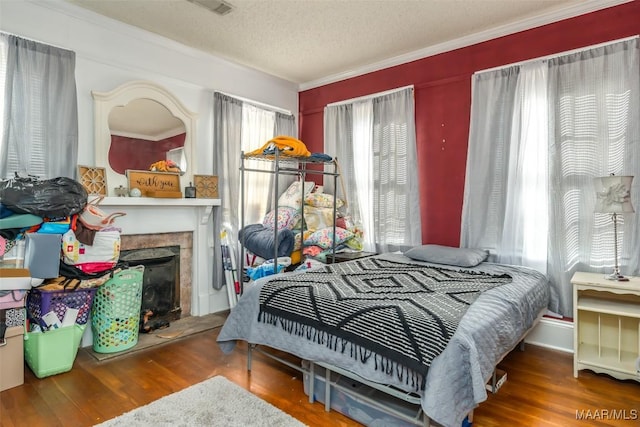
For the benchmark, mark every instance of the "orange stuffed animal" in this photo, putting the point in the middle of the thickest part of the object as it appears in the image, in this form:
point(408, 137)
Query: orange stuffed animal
point(164, 166)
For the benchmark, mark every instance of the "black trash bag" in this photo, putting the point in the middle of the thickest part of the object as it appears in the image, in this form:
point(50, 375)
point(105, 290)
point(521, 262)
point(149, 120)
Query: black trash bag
point(48, 198)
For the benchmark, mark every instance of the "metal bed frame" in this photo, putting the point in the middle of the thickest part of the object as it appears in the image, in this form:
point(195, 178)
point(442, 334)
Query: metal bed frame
point(419, 419)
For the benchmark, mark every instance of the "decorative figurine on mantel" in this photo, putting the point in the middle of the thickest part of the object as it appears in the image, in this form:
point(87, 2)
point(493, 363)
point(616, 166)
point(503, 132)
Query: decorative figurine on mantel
point(121, 191)
point(190, 191)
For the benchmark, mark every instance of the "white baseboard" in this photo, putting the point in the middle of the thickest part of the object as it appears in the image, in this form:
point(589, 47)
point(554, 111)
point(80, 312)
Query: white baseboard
point(552, 333)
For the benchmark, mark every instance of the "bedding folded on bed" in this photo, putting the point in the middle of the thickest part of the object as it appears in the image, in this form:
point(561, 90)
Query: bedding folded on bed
point(259, 240)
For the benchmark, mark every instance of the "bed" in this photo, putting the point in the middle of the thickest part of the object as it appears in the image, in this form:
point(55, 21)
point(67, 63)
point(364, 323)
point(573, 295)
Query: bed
point(497, 305)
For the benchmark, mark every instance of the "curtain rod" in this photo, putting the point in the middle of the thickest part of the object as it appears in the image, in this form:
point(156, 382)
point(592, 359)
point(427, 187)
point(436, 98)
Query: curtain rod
point(365, 97)
point(37, 41)
point(256, 103)
point(555, 55)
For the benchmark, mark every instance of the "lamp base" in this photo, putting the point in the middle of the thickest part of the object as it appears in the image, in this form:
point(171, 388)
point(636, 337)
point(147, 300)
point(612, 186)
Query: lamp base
point(617, 277)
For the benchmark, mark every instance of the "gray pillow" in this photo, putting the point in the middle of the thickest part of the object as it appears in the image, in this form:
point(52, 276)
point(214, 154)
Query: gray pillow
point(461, 257)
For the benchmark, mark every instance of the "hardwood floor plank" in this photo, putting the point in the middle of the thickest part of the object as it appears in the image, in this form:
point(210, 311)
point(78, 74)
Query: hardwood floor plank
point(540, 390)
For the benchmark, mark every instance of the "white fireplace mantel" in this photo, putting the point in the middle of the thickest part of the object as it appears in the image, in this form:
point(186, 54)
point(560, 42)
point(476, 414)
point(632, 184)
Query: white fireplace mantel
point(148, 215)
point(155, 201)
point(145, 207)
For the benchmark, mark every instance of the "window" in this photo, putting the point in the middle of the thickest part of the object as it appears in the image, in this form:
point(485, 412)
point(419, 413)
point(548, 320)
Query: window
point(3, 82)
point(540, 132)
point(39, 134)
point(374, 139)
point(245, 126)
point(258, 126)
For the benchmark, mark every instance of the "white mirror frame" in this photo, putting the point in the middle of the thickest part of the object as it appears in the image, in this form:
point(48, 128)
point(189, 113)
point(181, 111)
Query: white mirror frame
point(121, 96)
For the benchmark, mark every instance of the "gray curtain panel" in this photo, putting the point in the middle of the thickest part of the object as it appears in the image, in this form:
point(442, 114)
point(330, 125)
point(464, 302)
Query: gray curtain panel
point(40, 127)
point(594, 105)
point(228, 131)
point(227, 128)
point(587, 104)
point(374, 141)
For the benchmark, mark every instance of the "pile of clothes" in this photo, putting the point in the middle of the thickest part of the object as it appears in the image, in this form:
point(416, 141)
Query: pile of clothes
point(46, 225)
point(290, 147)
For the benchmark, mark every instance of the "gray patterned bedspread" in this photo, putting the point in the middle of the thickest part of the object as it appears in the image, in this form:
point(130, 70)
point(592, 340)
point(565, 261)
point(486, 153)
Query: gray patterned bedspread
point(456, 380)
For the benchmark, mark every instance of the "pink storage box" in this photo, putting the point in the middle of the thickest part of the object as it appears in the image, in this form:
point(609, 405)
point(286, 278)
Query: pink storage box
point(13, 299)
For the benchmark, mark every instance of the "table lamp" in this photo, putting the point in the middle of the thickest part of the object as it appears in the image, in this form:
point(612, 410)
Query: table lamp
point(613, 197)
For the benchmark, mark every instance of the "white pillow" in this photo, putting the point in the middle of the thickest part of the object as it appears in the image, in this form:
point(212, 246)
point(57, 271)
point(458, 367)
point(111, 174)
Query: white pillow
point(293, 196)
point(317, 218)
point(461, 257)
point(321, 200)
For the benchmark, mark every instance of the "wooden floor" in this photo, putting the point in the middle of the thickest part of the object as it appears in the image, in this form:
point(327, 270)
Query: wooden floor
point(540, 390)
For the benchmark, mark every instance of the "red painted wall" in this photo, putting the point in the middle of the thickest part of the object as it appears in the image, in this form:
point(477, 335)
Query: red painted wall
point(443, 101)
point(138, 154)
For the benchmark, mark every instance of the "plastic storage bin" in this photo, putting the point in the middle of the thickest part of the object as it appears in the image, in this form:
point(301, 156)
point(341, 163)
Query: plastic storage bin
point(40, 302)
point(115, 317)
point(358, 402)
point(52, 352)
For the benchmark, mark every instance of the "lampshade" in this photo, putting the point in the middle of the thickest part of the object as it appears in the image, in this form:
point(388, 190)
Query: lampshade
point(613, 194)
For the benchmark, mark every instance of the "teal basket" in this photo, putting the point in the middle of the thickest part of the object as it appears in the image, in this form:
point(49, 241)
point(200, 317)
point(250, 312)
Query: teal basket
point(115, 315)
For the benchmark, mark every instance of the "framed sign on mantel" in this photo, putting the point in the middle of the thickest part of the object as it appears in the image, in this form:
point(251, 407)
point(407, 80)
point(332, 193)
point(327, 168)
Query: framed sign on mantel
point(206, 186)
point(155, 184)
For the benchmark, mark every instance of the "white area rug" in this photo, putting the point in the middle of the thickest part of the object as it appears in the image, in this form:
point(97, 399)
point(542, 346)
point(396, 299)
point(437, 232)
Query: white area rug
point(213, 402)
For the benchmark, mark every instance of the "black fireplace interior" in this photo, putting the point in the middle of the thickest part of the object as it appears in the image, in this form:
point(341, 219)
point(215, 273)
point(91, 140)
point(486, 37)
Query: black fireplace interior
point(160, 285)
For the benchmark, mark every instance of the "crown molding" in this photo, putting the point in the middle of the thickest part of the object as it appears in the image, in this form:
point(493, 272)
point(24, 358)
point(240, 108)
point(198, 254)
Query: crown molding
point(501, 31)
point(94, 19)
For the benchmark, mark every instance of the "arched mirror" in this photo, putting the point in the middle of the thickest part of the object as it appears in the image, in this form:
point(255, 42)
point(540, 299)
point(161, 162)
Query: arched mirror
point(140, 123)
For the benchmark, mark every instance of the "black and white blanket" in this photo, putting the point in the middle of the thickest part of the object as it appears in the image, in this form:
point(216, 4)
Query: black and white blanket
point(403, 315)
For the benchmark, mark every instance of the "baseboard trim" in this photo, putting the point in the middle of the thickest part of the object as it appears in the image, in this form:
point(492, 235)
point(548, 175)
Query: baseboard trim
point(552, 333)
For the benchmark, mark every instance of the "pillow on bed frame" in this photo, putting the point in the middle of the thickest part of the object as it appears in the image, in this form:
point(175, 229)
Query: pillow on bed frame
point(461, 257)
point(324, 237)
point(287, 217)
point(292, 197)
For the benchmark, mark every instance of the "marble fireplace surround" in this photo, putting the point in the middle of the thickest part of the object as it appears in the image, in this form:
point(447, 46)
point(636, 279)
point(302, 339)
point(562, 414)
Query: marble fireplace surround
point(157, 222)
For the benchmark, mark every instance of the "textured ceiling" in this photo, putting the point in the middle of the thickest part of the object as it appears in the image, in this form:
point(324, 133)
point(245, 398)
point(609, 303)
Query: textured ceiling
point(309, 40)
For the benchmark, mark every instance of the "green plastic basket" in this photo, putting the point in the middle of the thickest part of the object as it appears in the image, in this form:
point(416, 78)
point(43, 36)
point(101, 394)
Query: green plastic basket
point(115, 315)
point(52, 352)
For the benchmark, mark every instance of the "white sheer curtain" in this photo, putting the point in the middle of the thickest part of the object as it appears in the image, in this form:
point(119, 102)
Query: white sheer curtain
point(39, 134)
point(258, 127)
point(374, 141)
point(242, 126)
point(540, 132)
point(594, 131)
point(363, 170)
point(524, 237)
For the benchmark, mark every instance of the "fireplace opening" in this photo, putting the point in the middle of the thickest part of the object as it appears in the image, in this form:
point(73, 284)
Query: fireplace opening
point(160, 285)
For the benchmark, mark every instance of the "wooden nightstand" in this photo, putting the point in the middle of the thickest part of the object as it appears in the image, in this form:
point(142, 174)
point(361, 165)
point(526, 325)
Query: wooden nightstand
point(606, 334)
